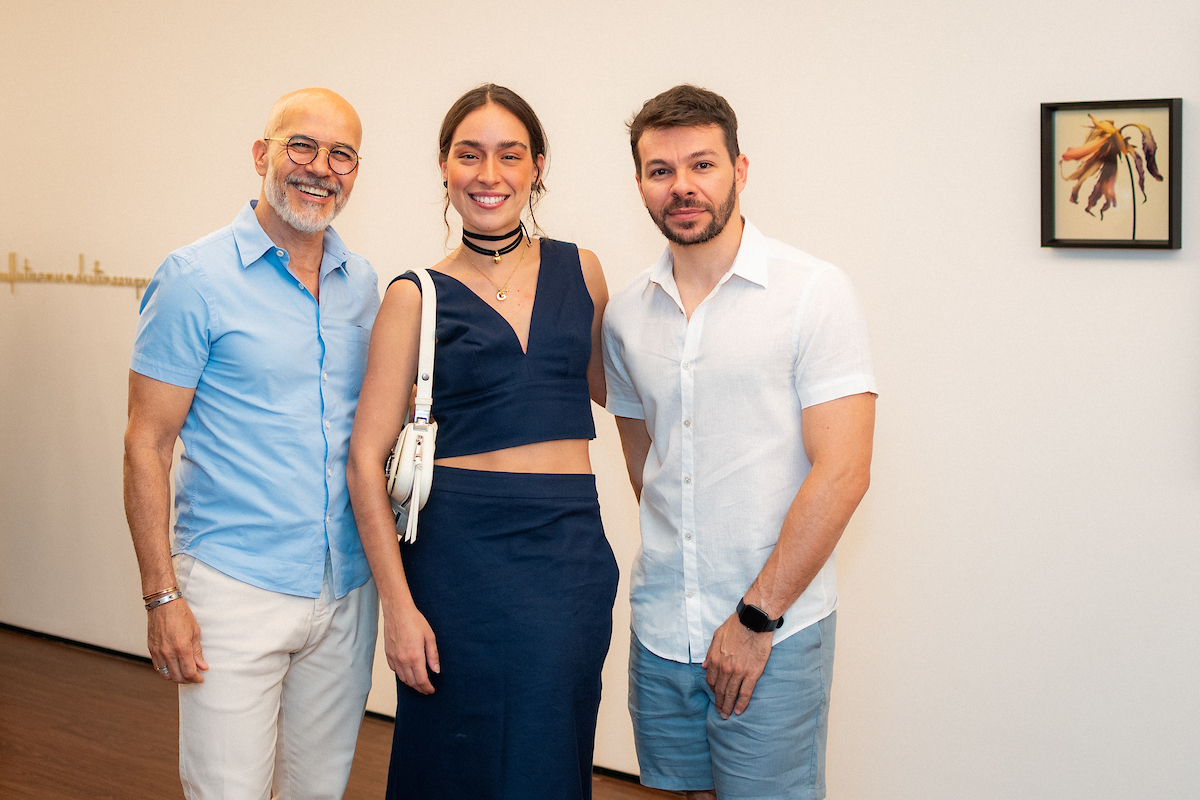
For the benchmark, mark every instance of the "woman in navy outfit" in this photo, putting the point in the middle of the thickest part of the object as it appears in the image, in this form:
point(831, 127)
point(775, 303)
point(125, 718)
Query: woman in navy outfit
point(498, 618)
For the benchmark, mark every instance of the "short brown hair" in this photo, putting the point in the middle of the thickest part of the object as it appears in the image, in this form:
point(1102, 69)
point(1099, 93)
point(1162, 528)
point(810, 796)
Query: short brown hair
point(513, 103)
point(684, 106)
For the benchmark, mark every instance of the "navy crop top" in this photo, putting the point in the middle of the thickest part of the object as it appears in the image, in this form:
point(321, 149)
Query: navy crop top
point(487, 394)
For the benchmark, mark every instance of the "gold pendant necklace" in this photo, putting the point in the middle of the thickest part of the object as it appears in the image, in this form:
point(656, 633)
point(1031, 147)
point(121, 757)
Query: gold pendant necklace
point(502, 291)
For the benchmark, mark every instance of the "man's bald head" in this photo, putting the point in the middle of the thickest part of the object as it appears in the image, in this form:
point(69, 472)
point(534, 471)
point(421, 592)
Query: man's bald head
point(305, 197)
point(318, 103)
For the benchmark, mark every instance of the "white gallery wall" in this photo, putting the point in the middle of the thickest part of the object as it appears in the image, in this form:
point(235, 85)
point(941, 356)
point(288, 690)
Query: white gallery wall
point(1020, 613)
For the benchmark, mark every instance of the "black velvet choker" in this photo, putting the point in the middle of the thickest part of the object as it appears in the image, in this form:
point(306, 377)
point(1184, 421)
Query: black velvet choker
point(496, 254)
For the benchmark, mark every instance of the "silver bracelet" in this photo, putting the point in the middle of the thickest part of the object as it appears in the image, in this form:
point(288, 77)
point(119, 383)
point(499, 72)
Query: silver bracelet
point(155, 603)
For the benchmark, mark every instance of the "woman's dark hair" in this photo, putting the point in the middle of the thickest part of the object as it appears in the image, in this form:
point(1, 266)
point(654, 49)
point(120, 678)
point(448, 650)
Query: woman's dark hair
point(510, 101)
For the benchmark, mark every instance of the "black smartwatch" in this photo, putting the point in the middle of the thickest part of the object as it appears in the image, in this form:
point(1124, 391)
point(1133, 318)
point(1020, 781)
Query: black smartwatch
point(756, 619)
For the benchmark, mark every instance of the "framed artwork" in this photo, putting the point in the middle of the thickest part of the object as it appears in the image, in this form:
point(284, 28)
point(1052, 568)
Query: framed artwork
point(1110, 174)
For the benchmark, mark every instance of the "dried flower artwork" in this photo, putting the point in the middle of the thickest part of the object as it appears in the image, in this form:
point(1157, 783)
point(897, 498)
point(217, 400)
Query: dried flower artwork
point(1100, 156)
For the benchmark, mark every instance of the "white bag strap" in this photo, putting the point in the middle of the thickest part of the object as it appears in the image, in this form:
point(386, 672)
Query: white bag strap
point(424, 401)
point(414, 494)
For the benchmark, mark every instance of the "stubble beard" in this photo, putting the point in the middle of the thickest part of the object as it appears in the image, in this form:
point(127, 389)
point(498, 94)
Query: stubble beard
point(719, 219)
point(305, 220)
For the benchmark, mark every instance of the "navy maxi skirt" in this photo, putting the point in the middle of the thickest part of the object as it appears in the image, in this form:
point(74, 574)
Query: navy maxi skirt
point(515, 577)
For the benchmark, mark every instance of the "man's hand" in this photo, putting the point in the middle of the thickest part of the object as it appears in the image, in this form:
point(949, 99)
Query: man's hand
point(734, 663)
point(173, 638)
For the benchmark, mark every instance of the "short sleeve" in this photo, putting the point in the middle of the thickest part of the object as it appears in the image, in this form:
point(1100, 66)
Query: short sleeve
point(832, 343)
point(174, 330)
point(622, 400)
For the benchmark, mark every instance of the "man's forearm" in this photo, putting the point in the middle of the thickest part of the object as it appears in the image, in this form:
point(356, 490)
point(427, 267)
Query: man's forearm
point(172, 635)
point(147, 509)
point(635, 444)
point(811, 530)
point(838, 442)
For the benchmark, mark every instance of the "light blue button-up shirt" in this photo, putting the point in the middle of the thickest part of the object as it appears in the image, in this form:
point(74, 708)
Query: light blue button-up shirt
point(261, 488)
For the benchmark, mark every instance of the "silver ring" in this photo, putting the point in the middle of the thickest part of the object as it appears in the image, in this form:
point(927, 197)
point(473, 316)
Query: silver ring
point(164, 670)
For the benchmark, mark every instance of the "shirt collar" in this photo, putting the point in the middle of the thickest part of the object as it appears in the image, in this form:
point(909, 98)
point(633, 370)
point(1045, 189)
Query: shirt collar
point(749, 262)
point(660, 273)
point(252, 241)
point(335, 247)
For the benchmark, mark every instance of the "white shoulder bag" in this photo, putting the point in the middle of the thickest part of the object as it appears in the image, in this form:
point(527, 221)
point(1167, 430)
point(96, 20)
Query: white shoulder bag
point(409, 468)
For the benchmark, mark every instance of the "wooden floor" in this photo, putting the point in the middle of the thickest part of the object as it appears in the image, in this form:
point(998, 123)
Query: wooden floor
point(75, 723)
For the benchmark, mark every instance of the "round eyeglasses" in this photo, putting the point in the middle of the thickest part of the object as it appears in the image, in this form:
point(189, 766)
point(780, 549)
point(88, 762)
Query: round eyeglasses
point(304, 150)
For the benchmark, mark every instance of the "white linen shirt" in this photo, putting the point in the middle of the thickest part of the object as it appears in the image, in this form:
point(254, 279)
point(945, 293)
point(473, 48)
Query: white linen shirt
point(721, 395)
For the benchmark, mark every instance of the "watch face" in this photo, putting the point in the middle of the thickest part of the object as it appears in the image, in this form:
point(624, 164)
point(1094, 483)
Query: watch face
point(755, 619)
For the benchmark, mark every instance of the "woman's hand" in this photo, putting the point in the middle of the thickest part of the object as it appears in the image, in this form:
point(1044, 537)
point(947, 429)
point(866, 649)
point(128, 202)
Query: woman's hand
point(410, 645)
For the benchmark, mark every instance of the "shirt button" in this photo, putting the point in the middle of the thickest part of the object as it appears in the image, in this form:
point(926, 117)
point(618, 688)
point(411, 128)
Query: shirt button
point(327, 426)
point(687, 423)
point(329, 519)
point(329, 472)
point(279, 253)
point(686, 478)
point(687, 536)
point(324, 376)
point(687, 365)
point(300, 284)
point(689, 594)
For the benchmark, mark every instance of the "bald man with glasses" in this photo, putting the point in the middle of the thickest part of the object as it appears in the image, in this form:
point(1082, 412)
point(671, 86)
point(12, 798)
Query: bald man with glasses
point(250, 348)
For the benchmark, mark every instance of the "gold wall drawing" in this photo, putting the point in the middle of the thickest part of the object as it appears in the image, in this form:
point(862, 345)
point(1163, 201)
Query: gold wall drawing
point(96, 277)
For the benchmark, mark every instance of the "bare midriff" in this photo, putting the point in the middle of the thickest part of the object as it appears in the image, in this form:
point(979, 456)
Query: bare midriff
point(563, 456)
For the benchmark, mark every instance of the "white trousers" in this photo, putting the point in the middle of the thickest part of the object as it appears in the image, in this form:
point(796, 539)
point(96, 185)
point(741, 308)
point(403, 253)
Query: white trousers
point(284, 695)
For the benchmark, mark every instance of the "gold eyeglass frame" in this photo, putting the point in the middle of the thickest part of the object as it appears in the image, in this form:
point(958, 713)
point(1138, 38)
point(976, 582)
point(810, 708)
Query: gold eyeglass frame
point(328, 152)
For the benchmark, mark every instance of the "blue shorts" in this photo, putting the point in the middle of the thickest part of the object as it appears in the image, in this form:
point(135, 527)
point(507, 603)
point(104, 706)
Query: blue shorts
point(774, 749)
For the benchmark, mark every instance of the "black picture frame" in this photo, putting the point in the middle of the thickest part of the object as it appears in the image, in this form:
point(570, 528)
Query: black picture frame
point(1060, 228)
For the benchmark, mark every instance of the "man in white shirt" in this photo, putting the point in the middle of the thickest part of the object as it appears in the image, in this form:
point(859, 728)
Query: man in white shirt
point(739, 370)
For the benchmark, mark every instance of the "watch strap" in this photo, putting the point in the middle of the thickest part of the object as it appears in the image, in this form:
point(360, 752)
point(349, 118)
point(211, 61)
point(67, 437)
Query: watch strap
point(755, 619)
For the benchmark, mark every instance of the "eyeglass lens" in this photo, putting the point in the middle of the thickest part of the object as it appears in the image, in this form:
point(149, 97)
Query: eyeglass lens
point(303, 150)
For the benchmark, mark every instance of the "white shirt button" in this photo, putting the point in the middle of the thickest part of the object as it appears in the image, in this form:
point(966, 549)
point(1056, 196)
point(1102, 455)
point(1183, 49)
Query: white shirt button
point(279, 253)
point(686, 478)
point(329, 519)
point(687, 536)
point(689, 594)
point(687, 423)
point(324, 376)
point(326, 424)
point(300, 284)
point(329, 472)
point(687, 365)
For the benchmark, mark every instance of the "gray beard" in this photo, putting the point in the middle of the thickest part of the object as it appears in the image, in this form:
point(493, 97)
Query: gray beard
point(720, 218)
point(313, 220)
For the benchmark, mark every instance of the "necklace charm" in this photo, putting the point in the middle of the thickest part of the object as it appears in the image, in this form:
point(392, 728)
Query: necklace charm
point(501, 291)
